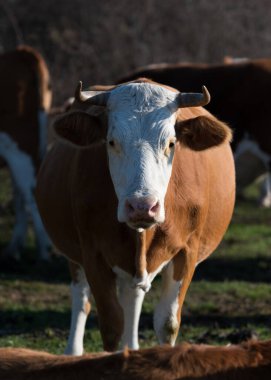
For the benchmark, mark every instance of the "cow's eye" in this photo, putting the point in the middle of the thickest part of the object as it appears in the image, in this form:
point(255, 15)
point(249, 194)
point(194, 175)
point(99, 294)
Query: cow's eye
point(111, 143)
point(170, 146)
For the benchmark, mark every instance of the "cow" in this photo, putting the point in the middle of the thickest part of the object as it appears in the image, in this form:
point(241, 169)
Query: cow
point(23, 182)
point(246, 361)
point(231, 84)
point(25, 100)
point(141, 181)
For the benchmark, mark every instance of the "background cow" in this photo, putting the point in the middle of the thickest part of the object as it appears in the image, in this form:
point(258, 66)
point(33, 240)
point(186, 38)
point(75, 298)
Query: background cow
point(247, 361)
point(24, 102)
point(157, 196)
point(241, 97)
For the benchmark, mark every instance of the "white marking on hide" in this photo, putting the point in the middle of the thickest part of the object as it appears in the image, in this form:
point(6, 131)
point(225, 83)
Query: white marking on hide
point(131, 295)
point(23, 178)
point(80, 293)
point(141, 121)
point(131, 300)
point(143, 282)
point(165, 316)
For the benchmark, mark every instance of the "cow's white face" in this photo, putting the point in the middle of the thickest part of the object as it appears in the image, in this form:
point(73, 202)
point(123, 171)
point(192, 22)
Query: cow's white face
point(141, 139)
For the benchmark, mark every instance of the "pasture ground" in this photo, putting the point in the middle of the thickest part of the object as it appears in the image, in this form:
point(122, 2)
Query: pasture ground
point(228, 300)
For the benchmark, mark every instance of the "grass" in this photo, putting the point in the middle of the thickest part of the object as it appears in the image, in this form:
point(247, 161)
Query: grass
point(228, 300)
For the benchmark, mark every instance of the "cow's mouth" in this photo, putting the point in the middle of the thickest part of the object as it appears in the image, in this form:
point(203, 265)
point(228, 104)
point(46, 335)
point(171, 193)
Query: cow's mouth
point(141, 225)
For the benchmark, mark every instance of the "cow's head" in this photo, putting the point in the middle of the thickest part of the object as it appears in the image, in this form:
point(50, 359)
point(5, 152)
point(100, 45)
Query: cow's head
point(141, 134)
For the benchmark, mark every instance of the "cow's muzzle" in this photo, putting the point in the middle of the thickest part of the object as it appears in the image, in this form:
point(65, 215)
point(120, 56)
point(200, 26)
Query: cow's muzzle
point(142, 212)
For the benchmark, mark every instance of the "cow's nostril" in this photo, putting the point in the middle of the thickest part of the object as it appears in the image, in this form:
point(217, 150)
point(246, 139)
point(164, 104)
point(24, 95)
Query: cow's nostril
point(155, 207)
point(130, 208)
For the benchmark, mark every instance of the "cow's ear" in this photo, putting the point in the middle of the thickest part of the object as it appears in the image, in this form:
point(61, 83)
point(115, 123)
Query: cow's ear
point(202, 132)
point(80, 128)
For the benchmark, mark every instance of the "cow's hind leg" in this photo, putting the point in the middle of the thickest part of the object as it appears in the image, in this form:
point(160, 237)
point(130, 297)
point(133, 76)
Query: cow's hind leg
point(80, 294)
point(176, 278)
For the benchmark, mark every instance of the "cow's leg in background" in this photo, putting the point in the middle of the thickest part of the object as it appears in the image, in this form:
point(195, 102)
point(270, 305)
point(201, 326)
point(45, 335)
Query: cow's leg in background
point(251, 162)
point(20, 229)
point(102, 281)
point(176, 278)
point(80, 294)
point(131, 299)
point(42, 241)
point(23, 178)
point(265, 197)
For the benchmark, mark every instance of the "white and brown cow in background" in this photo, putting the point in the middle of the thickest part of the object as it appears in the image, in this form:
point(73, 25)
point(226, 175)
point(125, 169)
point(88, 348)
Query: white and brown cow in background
point(142, 182)
point(24, 102)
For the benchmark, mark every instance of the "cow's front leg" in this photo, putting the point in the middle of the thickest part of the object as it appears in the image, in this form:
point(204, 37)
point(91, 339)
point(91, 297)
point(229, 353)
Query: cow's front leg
point(102, 281)
point(42, 239)
point(131, 299)
point(176, 278)
point(80, 294)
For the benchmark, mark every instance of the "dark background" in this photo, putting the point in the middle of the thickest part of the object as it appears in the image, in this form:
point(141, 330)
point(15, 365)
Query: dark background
point(99, 41)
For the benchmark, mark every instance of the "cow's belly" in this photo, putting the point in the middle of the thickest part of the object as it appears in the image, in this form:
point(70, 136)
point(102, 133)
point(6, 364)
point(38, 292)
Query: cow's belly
point(221, 201)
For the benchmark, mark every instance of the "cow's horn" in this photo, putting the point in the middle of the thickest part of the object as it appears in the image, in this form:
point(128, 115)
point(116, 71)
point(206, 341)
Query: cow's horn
point(192, 99)
point(99, 98)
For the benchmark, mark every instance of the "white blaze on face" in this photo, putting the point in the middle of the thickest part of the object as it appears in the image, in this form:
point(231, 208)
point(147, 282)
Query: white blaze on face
point(141, 138)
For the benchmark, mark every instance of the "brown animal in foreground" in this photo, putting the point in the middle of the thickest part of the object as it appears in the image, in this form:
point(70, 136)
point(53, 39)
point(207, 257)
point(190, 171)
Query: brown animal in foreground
point(247, 361)
point(157, 196)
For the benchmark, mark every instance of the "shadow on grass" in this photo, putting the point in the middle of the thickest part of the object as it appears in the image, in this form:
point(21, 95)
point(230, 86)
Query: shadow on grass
point(251, 269)
point(219, 321)
point(248, 269)
point(28, 268)
point(213, 269)
point(20, 321)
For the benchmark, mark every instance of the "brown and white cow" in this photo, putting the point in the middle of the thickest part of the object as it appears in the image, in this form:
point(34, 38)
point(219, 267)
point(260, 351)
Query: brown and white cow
point(247, 361)
point(146, 186)
point(231, 85)
point(24, 102)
